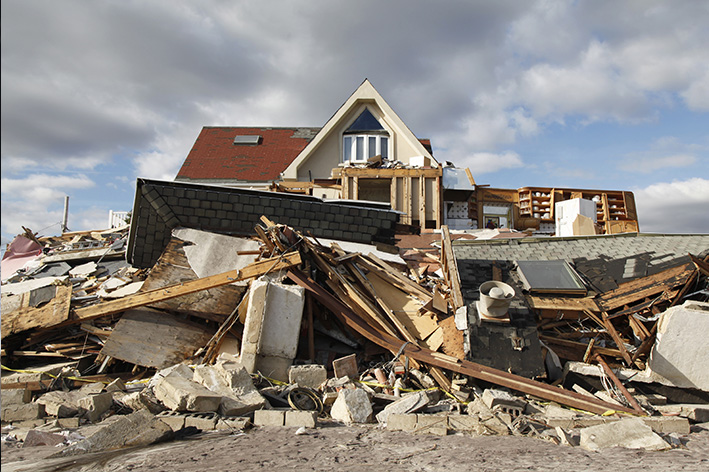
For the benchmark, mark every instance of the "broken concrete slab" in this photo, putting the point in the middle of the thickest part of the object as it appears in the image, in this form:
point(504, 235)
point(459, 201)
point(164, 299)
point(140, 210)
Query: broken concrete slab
point(42, 438)
point(140, 428)
point(22, 412)
point(504, 401)
point(180, 394)
point(631, 433)
point(697, 413)
point(16, 396)
point(680, 355)
point(272, 327)
point(411, 403)
point(352, 406)
point(432, 424)
point(232, 404)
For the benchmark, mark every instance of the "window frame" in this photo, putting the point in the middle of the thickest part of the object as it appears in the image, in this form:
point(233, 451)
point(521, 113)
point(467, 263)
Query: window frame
point(364, 138)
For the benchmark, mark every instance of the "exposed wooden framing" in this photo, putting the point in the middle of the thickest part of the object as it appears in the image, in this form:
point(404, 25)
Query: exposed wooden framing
point(399, 279)
point(255, 269)
point(408, 200)
point(393, 195)
point(578, 346)
point(355, 188)
point(386, 172)
point(422, 202)
point(478, 371)
point(437, 199)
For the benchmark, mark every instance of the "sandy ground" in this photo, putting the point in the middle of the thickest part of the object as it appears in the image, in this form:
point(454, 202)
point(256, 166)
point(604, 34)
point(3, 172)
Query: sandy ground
point(358, 448)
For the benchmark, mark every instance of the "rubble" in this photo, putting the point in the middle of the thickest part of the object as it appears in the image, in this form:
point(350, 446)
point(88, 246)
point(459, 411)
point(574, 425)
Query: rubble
point(281, 328)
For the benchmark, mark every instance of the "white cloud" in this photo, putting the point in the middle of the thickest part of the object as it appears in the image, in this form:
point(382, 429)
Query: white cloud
point(674, 207)
point(645, 165)
point(486, 162)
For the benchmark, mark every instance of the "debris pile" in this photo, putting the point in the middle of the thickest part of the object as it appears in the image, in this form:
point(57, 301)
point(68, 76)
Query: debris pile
point(299, 331)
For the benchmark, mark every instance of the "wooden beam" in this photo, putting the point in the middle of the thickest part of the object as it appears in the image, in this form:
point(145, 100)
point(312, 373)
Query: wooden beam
point(609, 372)
point(422, 202)
point(255, 269)
point(478, 371)
point(450, 268)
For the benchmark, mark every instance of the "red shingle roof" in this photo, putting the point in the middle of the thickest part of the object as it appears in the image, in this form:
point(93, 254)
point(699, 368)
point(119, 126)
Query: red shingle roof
point(215, 156)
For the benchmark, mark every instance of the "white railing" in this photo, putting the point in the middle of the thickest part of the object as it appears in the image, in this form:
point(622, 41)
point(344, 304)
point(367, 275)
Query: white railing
point(117, 219)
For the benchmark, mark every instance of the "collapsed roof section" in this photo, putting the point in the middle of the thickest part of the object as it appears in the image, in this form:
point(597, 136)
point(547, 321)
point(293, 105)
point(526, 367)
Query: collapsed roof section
point(161, 206)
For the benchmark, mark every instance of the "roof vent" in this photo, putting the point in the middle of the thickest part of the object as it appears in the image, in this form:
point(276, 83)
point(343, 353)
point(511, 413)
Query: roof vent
point(247, 139)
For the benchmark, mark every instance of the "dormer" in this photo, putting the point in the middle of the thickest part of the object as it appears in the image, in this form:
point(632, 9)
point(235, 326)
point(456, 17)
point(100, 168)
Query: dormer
point(364, 126)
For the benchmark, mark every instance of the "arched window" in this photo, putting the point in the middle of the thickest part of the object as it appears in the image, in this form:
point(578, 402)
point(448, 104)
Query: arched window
point(365, 138)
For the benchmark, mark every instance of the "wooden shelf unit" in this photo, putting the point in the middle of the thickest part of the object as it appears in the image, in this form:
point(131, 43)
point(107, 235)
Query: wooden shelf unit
point(615, 210)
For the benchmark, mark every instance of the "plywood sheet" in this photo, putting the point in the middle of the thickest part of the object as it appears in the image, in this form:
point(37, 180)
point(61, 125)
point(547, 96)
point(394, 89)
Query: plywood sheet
point(404, 306)
point(151, 338)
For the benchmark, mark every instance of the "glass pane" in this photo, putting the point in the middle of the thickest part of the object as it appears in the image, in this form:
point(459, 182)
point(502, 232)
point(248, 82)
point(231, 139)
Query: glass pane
point(384, 147)
point(347, 149)
point(372, 151)
point(550, 276)
point(360, 148)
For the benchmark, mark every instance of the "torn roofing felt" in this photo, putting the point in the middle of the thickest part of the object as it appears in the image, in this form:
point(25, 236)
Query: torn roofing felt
point(161, 206)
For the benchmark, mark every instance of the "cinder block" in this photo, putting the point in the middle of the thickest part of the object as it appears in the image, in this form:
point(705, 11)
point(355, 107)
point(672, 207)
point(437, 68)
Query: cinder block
point(174, 420)
point(432, 424)
point(269, 417)
point(307, 419)
point(311, 375)
point(203, 421)
point(401, 422)
point(233, 422)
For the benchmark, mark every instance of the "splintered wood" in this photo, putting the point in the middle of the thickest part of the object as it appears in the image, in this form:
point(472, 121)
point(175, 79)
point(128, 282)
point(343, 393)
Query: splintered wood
point(618, 323)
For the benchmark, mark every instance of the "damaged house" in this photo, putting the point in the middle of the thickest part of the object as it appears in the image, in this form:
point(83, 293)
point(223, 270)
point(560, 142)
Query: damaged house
point(289, 277)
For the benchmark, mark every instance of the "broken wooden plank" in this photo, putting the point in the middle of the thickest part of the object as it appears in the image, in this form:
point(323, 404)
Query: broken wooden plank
point(638, 289)
point(450, 269)
point(471, 369)
point(26, 317)
point(609, 372)
point(255, 269)
point(562, 303)
point(618, 341)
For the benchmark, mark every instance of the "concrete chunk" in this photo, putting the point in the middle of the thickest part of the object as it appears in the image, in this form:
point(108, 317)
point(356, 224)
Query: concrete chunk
point(42, 438)
point(401, 422)
point(269, 417)
point(307, 419)
point(631, 433)
point(432, 424)
point(140, 428)
point(352, 406)
point(93, 406)
point(22, 412)
point(16, 396)
point(409, 404)
point(180, 394)
point(230, 379)
point(311, 376)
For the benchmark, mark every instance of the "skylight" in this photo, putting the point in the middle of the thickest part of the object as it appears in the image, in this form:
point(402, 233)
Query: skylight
point(550, 277)
point(247, 139)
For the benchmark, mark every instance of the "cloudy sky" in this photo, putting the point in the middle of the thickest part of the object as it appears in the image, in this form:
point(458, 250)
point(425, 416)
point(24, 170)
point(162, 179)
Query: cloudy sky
point(586, 94)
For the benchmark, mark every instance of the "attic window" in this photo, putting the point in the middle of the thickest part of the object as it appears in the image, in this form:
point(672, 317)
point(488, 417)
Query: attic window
point(365, 138)
point(251, 139)
point(550, 277)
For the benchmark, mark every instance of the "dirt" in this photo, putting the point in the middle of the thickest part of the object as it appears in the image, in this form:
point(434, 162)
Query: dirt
point(359, 448)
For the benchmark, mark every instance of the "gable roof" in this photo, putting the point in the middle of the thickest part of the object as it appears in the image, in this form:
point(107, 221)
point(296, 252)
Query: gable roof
point(215, 158)
point(365, 94)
